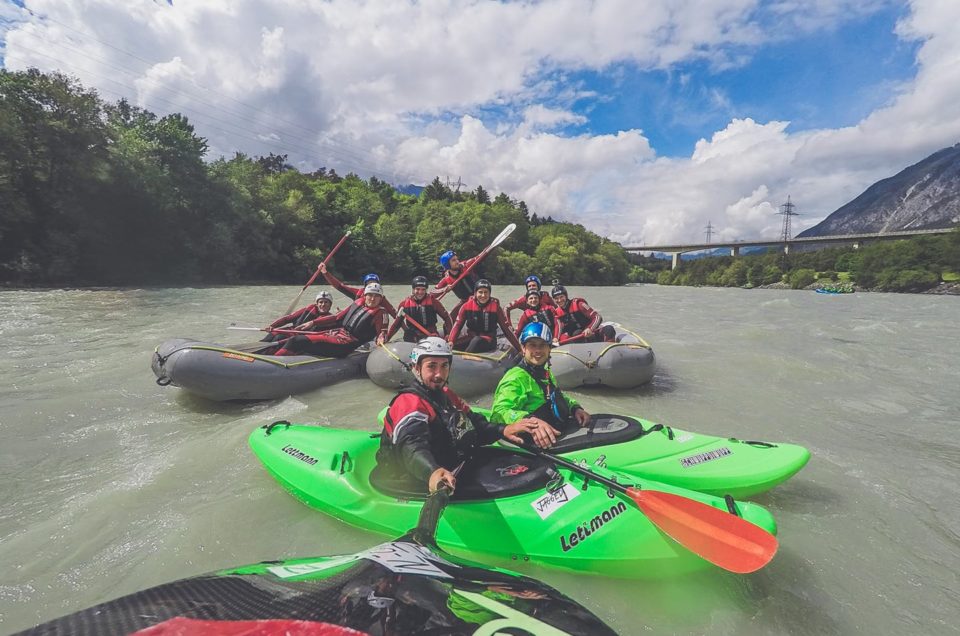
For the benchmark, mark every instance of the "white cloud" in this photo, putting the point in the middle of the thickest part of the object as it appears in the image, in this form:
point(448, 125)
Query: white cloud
point(400, 89)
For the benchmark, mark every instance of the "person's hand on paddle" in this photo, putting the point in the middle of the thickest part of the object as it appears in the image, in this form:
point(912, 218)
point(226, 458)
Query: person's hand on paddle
point(580, 414)
point(322, 267)
point(588, 332)
point(542, 433)
point(439, 476)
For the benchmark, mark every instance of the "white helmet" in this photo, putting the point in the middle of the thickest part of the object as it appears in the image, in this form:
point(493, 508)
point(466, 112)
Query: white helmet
point(431, 346)
point(373, 288)
point(324, 295)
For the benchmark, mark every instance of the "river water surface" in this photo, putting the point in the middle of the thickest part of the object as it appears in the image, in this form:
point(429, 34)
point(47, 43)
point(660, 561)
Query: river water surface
point(110, 483)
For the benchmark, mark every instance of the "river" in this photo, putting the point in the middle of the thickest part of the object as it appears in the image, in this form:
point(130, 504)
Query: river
point(110, 483)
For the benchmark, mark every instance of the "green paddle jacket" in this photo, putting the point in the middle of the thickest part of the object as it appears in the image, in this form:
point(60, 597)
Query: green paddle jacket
point(518, 395)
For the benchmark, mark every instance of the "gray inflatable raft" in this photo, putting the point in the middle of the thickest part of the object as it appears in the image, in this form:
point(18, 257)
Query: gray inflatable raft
point(473, 373)
point(624, 364)
point(220, 373)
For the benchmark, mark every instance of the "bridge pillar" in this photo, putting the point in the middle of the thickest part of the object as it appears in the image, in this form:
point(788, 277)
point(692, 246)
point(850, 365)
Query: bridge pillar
point(676, 260)
point(735, 250)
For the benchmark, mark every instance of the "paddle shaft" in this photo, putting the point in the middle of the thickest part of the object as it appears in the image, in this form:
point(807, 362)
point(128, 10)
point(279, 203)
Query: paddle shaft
point(336, 247)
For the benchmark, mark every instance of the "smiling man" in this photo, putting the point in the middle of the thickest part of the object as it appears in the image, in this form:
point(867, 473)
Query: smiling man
point(530, 391)
point(429, 430)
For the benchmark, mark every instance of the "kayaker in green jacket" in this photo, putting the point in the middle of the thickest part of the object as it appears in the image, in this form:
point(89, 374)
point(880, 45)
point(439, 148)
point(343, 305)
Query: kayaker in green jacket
point(529, 389)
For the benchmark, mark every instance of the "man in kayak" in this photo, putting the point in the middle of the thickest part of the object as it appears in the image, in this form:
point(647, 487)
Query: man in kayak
point(318, 309)
point(354, 293)
point(534, 311)
point(453, 267)
point(338, 334)
point(481, 315)
point(424, 309)
point(529, 389)
point(532, 282)
point(578, 321)
point(428, 430)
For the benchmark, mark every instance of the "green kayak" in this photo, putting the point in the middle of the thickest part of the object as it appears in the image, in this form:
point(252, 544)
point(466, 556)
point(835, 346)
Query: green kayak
point(508, 506)
point(710, 464)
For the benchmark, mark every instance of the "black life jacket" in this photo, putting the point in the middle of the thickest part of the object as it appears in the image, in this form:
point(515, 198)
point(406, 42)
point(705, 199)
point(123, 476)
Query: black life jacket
point(481, 319)
point(452, 435)
point(423, 312)
point(572, 318)
point(358, 321)
point(464, 289)
point(544, 316)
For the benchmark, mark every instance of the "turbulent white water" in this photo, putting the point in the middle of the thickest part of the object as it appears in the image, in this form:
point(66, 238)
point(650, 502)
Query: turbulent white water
point(110, 483)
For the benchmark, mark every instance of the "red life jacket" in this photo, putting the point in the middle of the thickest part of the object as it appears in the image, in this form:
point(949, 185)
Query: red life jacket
point(481, 320)
point(576, 316)
point(424, 312)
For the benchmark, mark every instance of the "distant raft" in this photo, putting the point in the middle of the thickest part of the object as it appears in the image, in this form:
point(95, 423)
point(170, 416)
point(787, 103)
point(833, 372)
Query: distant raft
point(222, 373)
point(475, 373)
point(624, 364)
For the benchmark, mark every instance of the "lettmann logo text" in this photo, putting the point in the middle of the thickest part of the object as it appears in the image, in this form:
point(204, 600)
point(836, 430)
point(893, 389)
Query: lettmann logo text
point(584, 530)
point(299, 454)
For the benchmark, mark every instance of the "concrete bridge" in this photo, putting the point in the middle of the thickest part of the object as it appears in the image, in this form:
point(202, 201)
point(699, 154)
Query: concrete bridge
point(735, 246)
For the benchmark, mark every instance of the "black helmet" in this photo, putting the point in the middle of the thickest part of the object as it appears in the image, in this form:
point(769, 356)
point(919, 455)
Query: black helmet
point(419, 281)
point(558, 290)
point(483, 283)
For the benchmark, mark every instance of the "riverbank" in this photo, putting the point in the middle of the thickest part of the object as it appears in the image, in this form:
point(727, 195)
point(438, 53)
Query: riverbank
point(943, 288)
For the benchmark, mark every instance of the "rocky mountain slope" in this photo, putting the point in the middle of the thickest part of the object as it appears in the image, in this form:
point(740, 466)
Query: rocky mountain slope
point(925, 195)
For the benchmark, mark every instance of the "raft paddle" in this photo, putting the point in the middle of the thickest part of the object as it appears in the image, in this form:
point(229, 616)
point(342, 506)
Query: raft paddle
point(317, 273)
point(501, 237)
point(720, 537)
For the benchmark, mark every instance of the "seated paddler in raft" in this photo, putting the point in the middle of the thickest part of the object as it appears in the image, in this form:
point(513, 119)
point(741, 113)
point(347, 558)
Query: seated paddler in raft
point(423, 308)
point(321, 307)
point(529, 390)
point(578, 321)
point(338, 334)
point(429, 430)
point(355, 293)
point(535, 311)
point(481, 315)
point(531, 283)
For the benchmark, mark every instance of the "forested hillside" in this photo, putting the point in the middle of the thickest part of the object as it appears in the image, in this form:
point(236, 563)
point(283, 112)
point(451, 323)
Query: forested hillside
point(94, 193)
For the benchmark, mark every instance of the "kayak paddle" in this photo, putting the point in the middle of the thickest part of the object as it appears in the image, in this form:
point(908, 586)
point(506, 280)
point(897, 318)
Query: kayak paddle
point(317, 273)
point(720, 537)
point(501, 237)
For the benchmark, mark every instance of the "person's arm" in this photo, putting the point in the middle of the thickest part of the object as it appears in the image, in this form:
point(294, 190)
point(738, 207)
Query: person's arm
point(384, 320)
point(594, 316)
point(457, 326)
point(516, 304)
point(395, 326)
point(336, 283)
point(555, 326)
point(521, 323)
point(411, 438)
point(576, 411)
point(317, 324)
point(444, 315)
point(289, 318)
point(505, 326)
point(388, 307)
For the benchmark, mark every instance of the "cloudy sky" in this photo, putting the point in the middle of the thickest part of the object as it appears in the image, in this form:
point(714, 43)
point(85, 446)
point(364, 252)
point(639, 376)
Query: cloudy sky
point(644, 120)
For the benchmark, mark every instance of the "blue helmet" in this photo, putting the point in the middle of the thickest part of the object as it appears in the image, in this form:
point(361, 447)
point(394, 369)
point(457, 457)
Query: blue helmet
point(532, 279)
point(445, 259)
point(536, 330)
point(371, 278)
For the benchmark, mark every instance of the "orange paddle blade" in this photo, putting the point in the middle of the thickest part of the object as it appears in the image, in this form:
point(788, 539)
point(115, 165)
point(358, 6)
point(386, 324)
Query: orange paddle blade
point(722, 538)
